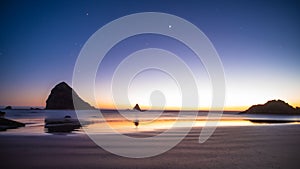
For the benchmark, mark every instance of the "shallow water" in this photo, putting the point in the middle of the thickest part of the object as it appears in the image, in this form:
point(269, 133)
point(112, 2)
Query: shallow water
point(122, 122)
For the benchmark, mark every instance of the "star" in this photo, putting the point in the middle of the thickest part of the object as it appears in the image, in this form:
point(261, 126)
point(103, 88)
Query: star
point(170, 26)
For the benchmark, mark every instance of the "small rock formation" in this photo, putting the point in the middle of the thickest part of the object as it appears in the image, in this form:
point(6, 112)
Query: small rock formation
point(137, 107)
point(66, 124)
point(272, 107)
point(2, 114)
point(136, 122)
point(9, 124)
point(61, 98)
point(8, 108)
point(33, 108)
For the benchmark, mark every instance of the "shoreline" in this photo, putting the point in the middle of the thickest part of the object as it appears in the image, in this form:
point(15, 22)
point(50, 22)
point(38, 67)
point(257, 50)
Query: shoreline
point(38, 129)
point(37, 125)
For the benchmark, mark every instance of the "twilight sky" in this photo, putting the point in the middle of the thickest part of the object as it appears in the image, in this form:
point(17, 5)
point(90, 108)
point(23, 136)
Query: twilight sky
point(258, 44)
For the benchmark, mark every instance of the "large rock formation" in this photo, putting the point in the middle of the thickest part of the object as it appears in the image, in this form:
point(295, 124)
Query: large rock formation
point(273, 107)
point(61, 98)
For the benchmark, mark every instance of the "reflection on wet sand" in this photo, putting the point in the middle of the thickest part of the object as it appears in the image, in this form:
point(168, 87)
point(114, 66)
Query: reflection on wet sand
point(123, 122)
point(126, 126)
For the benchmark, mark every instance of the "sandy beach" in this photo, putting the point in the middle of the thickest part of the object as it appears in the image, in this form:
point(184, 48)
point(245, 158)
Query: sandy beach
point(273, 146)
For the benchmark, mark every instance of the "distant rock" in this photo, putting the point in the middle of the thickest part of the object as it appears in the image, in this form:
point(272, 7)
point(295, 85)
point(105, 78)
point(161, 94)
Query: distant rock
point(136, 122)
point(33, 108)
point(8, 107)
point(137, 107)
point(2, 114)
point(61, 98)
point(273, 107)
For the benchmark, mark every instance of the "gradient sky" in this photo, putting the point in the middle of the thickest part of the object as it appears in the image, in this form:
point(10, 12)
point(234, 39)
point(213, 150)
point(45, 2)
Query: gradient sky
point(258, 43)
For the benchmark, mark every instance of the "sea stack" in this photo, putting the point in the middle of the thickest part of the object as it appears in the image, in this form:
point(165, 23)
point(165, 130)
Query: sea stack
point(272, 107)
point(8, 108)
point(136, 122)
point(137, 107)
point(61, 98)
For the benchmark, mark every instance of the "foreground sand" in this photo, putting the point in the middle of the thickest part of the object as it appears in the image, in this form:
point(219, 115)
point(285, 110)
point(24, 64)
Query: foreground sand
point(229, 147)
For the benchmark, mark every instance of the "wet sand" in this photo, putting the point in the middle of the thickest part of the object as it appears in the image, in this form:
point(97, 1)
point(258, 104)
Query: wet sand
point(273, 146)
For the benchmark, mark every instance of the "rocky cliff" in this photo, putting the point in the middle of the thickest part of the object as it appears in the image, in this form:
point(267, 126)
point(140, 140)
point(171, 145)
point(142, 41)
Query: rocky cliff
point(61, 98)
point(273, 107)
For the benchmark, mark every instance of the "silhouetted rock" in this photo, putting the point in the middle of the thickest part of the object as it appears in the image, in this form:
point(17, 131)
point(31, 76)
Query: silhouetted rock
point(2, 114)
point(136, 122)
point(137, 107)
point(9, 124)
point(66, 124)
point(61, 98)
point(272, 121)
point(8, 107)
point(32, 108)
point(272, 107)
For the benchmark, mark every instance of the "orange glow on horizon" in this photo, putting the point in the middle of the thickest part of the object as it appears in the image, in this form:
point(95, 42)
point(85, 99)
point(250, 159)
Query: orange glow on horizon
point(36, 102)
point(145, 107)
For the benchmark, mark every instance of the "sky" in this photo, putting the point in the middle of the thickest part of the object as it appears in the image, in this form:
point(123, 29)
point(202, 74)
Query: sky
point(257, 42)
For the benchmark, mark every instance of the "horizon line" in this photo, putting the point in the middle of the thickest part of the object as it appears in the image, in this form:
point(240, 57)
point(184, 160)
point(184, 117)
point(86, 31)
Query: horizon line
point(122, 109)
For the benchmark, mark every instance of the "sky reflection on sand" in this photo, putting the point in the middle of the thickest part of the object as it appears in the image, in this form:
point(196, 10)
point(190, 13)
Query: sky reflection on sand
point(94, 124)
point(158, 125)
